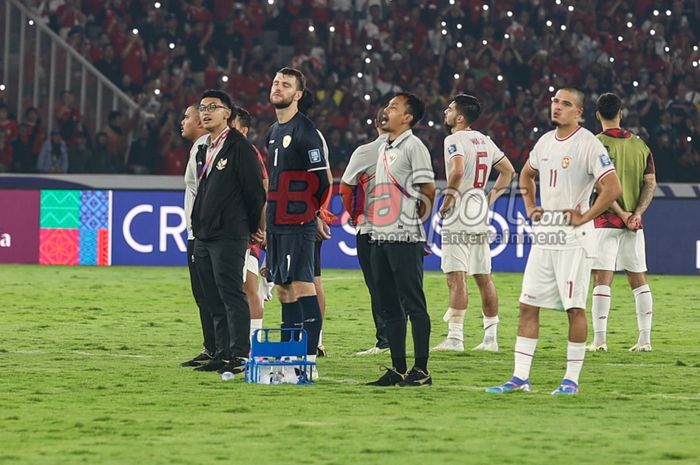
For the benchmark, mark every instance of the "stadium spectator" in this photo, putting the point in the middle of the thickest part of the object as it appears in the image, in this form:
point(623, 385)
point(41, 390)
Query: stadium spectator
point(54, 155)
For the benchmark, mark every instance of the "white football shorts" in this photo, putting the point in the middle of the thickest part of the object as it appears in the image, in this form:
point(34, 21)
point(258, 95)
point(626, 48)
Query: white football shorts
point(620, 249)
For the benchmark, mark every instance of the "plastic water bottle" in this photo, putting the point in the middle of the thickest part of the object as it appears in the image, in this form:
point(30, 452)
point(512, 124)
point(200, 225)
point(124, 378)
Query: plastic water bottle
point(276, 377)
point(227, 376)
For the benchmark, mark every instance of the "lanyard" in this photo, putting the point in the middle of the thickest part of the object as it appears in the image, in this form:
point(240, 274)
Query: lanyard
point(212, 151)
point(393, 179)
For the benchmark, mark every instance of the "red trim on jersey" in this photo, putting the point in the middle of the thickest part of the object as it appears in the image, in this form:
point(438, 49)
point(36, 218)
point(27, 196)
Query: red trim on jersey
point(617, 133)
point(611, 170)
point(501, 159)
point(528, 162)
point(567, 137)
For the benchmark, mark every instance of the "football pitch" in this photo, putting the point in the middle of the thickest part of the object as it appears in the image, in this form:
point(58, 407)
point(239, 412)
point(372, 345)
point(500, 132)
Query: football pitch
point(90, 374)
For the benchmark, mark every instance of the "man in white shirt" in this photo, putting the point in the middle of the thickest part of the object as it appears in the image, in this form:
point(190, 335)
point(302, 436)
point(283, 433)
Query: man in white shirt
point(192, 130)
point(569, 162)
point(469, 157)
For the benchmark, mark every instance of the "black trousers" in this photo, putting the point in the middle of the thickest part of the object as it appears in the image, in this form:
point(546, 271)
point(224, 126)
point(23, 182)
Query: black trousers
point(364, 249)
point(198, 294)
point(219, 265)
point(397, 269)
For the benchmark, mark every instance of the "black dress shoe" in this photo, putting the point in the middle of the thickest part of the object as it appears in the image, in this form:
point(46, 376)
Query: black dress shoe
point(235, 366)
point(214, 364)
point(198, 360)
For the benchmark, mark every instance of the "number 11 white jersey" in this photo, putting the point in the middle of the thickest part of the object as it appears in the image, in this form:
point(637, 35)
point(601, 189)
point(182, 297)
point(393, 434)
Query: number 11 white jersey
point(480, 153)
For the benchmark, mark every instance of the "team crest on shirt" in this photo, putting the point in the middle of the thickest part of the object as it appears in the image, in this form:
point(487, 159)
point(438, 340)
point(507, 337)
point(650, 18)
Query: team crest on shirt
point(604, 160)
point(391, 157)
point(314, 155)
point(565, 162)
point(221, 164)
point(451, 149)
point(286, 140)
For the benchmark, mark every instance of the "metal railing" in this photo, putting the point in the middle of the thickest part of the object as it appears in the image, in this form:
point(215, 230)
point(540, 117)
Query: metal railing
point(38, 66)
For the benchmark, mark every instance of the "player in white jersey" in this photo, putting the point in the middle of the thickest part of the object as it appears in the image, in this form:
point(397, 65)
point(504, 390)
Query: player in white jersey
point(469, 157)
point(569, 162)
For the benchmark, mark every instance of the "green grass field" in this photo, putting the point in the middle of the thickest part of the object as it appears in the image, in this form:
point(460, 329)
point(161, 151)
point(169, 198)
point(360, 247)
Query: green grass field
point(90, 375)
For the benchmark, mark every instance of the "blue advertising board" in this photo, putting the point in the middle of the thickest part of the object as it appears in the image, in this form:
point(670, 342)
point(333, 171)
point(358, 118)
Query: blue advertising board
point(148, 228)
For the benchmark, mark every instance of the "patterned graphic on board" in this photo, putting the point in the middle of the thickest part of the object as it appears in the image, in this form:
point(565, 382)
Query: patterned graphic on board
point(59, 246)
point(60, 209)
point(94, 210)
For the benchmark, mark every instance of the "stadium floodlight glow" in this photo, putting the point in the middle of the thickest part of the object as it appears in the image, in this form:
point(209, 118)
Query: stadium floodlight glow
point(652, 32)
point(668, 12)
point(368, 47)
point(431, 123)
point(535, 129)
point(629, 24)
point(612, 60)
point(444, 32)
point(484, 42)
point(620, 38)
point(695, 65)
point(224, 78)
point(368, 60)
point(506, 36)
point(135, 31)
point(571, 8)
point(656, 13)
point(459, 44)
point(369, 120)
point(635, 84)
point(459, 26)
point(558, 2)
point(509, 14)
point(443, 24)
point(171, 45)
point(499, 78)
point(156, 5)
point(695, 48)
point(452, 2)
point(667, 49)
point(563, 27)
point(551, 88)
point(367, 97)
point(359, 75)
point(689, 139)
point(311, 29)
point(485, 7)
point(2, 86)
point(549, 23)
point(157, 91)
point(31, 22)
point(332, 28)
point(456, 76)
point(270, 2)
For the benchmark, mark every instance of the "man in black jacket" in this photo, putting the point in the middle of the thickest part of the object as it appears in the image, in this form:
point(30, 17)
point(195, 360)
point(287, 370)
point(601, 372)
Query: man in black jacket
point(226, 213)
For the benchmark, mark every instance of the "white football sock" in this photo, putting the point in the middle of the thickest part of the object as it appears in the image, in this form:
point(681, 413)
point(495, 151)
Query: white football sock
point(490, 328)
point(255, 323)
point(524, 352)
point(600, 309)
point(575, 353)
point(455, 326)
point(644, 304)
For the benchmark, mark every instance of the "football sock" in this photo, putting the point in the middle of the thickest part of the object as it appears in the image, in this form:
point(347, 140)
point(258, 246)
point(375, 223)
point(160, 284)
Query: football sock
point(644, 303)
point(422, 363)
point(312, 322)
point(575, 353)
point(524, 352)
point(455, 325)
point(490, 328)
point(292, 318)
point(255, 323)
point(600, 310)
point(399, 364)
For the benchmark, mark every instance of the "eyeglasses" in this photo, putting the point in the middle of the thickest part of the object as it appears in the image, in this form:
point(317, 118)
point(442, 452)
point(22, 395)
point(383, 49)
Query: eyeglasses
point(210, 107)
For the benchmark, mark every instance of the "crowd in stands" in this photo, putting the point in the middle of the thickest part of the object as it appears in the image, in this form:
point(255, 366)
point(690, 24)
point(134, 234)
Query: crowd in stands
point(511, 54)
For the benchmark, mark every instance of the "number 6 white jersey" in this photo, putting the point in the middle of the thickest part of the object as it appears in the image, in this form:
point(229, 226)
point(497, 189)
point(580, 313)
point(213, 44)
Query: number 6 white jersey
point(480, 153)
point(568, 170)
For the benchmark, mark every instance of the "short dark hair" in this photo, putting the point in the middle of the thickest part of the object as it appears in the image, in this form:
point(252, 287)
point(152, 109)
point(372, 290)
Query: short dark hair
point(577, 93)
point(221, 95)
point(306, 101)
point(114, 114)
point(244, 117)
point(414, 105)
point(609, 105)
point(468, 106)
point(301, 79)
